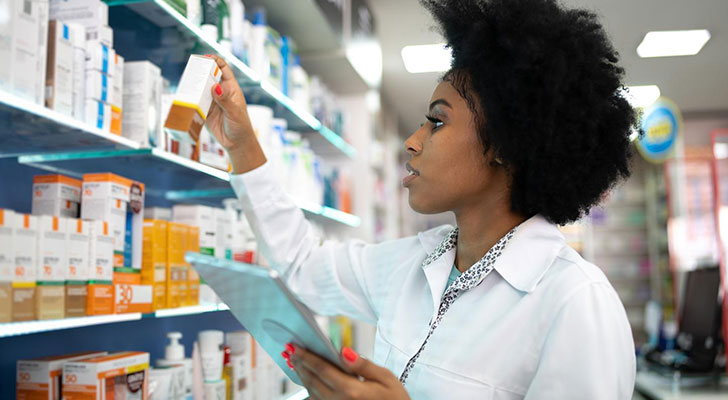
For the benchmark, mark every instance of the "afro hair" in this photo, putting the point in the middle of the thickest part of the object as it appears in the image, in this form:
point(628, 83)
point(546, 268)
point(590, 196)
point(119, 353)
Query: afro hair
point(545, 87)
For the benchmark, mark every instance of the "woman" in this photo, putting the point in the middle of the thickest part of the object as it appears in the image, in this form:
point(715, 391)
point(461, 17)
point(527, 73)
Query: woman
point(527, 130)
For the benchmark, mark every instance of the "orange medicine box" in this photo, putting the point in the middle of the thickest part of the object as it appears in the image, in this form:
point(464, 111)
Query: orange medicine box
point(40, 378)
point(118, 375)
point(193, 281)
point(177, 237)
point(130, 295)
point(154, 260)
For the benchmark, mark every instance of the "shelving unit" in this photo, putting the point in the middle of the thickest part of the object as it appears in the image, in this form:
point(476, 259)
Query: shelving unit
point(153, 30)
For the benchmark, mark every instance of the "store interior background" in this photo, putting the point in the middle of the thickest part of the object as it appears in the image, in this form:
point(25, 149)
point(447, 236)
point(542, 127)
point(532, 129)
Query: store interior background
point(645, 236)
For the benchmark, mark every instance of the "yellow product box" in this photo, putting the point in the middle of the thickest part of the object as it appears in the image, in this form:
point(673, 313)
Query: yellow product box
point(7, 262)
point(122, 375)
point(100, 299)
point(56, 195)
point(193, 278)
point(78, 274)
point(117, 200)
point(177, 237)
point(130, 295)
point(40, 378)
point(154, 260)
point(25, 232)
point(193, 99)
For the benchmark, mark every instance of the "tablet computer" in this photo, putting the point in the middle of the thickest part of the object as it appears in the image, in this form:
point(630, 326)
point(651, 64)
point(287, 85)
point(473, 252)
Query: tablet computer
point(260, 300)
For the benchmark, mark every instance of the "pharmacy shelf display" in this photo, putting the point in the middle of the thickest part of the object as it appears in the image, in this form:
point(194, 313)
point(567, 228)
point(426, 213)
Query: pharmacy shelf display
point(153, 30)
point(30, 327)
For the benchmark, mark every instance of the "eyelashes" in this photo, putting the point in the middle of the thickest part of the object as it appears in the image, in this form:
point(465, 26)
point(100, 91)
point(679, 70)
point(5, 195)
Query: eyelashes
point(436, 123)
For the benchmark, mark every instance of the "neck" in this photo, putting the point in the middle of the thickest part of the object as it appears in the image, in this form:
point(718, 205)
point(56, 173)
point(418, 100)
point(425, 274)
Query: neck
point(480, 228)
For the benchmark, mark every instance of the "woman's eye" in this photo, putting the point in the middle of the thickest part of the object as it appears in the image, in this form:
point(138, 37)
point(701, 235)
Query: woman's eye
point(436, 123)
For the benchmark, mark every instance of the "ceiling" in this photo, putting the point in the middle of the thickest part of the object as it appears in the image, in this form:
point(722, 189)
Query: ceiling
point(696, 83)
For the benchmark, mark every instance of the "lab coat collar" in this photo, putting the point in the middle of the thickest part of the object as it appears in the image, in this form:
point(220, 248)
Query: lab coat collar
point(524, 261)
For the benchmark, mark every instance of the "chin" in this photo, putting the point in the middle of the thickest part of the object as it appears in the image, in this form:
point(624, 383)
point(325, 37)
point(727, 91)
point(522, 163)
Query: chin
point(425, 204)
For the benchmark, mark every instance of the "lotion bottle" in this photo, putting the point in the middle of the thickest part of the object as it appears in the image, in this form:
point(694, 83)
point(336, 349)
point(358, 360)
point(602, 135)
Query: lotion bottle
point(174, 354)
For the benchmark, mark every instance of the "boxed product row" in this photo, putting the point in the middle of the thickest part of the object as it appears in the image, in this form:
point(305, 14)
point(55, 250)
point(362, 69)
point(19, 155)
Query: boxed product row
point(222, 366)
point(60, 53)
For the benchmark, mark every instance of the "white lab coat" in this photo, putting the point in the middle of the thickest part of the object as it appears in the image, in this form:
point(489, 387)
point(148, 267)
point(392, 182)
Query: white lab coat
point(545, 324)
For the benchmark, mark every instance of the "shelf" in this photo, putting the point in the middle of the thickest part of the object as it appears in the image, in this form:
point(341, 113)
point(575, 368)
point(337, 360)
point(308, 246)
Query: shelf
point(30, 327)
point(165, 175)
point(153, 30)
point(31, 128)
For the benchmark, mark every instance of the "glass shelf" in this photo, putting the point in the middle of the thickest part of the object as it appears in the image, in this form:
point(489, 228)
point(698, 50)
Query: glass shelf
point(153, 30)
point(26, 127)
point(30, 327)
point(165, 175)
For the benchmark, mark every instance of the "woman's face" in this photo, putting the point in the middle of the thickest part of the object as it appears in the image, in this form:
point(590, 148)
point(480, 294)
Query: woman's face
point(448, 168)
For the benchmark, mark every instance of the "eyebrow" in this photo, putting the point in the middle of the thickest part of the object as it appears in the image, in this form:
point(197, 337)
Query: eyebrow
point(440, 101)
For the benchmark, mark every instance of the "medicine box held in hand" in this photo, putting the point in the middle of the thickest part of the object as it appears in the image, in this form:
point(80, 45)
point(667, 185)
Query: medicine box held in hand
point(193, 99)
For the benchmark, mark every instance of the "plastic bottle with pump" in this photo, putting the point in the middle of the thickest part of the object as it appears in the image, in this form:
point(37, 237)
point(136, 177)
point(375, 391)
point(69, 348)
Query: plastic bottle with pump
point(174, 354)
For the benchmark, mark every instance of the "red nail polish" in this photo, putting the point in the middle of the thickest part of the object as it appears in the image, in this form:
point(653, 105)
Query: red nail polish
point(290, 349)
point(208, 55)
point(290, 365)
point(218, 89)
point(349, 354)
point(285, 355)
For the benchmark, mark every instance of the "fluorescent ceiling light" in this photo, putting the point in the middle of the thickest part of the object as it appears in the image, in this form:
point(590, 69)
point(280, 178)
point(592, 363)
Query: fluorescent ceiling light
point(673, 43)
point(642, 96)
point(426, 58)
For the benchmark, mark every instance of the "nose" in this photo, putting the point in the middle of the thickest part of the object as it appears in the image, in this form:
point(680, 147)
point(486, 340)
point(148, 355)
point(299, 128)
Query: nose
point(413, 145)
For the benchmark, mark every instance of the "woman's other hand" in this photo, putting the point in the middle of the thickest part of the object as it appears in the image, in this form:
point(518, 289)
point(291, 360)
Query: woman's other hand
point(325, 381)
point(229, 122)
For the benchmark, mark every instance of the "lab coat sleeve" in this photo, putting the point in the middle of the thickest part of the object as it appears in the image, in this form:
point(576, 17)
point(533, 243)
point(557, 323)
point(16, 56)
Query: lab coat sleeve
point(589, 352)
point(329, 277)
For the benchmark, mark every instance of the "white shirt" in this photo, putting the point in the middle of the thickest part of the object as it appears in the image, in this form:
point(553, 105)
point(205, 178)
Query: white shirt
point(545, 324)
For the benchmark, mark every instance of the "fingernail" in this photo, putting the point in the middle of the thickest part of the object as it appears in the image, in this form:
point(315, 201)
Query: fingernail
point(218, 89)
point(290, 348)
point(208, 55)
point(286, 355)
point(349, 354)
point(290, 365)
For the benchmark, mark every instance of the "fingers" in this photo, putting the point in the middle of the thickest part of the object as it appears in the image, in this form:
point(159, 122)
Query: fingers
point(365, 368)
point(316, 387)
point(327, 372)
point(227, 72)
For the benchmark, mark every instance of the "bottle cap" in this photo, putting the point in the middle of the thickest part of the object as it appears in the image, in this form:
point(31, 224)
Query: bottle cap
point(174, 350)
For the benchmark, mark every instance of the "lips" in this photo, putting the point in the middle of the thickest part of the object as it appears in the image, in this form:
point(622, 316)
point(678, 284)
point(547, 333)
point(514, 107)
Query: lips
point(413, 173)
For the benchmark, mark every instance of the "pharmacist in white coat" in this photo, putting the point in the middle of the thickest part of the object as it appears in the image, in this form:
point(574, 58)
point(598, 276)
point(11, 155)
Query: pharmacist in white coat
point(527, 130)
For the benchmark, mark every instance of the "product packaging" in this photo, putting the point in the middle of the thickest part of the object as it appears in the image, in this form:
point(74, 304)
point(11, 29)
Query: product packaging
point(193, 281)
point(172, 377)
point(78, 39)
point(100, 57)
point(77, 276)
point(202, 217)
point(98, 114)
point(98, 86)
point(41, 378)
point(141, 101)
point(211, 352)
point(103, 34)
point(154, 261)
point(119, 201)
point(211, 151)
point(130, 295)
point(56, 195)
point(52, 267)
point(25, 232)
point(22, 49)
point(7, 263)
point(177, 269)
point(241, 345)
point(101, 271)
point(214, 390)
point(122, 375)
point(174, 355)
point(162, 213)
point(42, 9)
point(160, 384)
point(117, 94)
point(92, 14)
point(193, 99)
point(59, 68)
